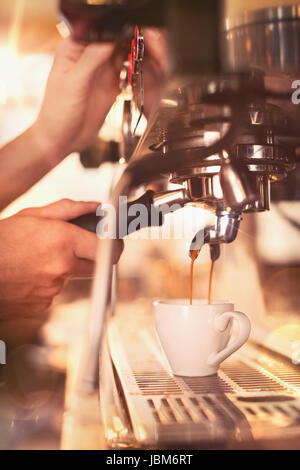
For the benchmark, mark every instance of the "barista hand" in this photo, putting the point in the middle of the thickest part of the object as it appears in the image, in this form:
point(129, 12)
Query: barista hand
point(82, 87)
point(40, 252)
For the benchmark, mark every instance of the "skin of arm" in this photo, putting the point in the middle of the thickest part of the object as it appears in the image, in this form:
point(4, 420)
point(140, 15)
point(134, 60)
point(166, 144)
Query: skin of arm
point(81, 88)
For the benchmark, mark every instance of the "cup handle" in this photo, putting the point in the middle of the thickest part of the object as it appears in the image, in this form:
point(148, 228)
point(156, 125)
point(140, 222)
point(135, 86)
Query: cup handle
point(221, 322)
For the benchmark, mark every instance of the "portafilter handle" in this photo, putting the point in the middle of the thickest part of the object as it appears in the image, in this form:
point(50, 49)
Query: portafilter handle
point(155, 207)
point(154, 216)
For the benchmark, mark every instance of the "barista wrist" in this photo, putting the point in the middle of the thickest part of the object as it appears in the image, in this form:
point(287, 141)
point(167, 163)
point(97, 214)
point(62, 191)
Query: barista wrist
point(46, 148)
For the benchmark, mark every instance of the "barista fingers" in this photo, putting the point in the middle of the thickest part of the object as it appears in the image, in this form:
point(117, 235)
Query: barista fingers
point(2, 353)
point(129, 221)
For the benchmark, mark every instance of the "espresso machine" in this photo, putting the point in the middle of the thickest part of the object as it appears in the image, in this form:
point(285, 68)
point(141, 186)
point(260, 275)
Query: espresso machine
point(225, 129)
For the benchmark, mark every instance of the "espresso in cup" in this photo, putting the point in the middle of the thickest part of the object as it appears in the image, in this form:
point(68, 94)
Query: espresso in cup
point(196, 338)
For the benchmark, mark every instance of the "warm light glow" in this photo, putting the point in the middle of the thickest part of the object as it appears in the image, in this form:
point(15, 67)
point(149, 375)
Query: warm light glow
point(19, 81)
point(112, 128)
point(211, 137)
point(118, 426)
point(3, 93)
point(110, 435)
point(63, 29)
point(218, 192)
point(141, 432)
point(9, 75)
point(170, 103)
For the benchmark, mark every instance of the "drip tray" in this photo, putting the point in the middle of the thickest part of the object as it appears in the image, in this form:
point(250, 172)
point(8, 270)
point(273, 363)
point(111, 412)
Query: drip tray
point(255, 396)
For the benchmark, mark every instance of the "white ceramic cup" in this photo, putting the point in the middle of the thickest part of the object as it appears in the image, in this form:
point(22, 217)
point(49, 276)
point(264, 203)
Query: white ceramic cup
point(195, 337)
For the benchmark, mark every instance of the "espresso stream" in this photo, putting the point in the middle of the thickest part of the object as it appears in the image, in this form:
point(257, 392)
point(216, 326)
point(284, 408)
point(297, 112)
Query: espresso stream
point(212, 264)
point(193, 256)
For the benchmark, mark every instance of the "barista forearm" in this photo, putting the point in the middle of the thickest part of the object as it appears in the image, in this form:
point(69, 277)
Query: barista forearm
point(22, 163)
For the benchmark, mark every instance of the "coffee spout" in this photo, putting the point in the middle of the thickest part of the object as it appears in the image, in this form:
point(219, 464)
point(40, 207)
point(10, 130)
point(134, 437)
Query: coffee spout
point(214, 251)
point(201, 238)
point(225, 230)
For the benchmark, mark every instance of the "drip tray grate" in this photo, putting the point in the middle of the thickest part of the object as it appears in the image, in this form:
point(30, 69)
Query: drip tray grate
point(156, 383)
point(235, 376)
point(251, 378)
point(255, 395)
point(205, 385)
point(190, 410)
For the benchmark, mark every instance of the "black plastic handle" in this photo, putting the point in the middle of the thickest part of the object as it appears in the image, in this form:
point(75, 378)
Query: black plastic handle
point(155, 217)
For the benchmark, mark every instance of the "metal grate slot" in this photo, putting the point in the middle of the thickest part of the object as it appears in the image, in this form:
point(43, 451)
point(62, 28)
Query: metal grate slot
point(285, 410)
point(251, 379)
point(266, 398)
point(151, 403)
point(266, 410)
point(156, 383)
point(168, 410)
point(281, 410)
point(270, 410)
point(183, 409)
point(156, 417)
point(179, 402)
point(221, 412)
point(200, 408)
point(281, 369)
point(295, 408)
point(203, 385)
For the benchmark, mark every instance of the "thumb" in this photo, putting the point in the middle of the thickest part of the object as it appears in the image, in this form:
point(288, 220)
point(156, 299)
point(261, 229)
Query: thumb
point(65, 209)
